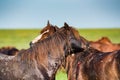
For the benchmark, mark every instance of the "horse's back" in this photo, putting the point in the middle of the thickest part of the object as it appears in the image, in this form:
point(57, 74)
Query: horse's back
point(5, 57)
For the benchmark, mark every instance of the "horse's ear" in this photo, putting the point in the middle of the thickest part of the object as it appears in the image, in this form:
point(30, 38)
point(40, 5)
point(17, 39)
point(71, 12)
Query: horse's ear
point(66, 25)
point(48, 23)
point(56, 28)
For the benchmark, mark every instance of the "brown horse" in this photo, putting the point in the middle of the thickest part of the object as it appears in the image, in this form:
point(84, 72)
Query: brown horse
point(9, 50)
point(92, 64)
point(42, 60)
point(105, 45)
point(45, 33)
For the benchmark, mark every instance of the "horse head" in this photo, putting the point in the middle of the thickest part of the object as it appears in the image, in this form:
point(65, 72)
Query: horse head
point(77, 42)
point(44, 33)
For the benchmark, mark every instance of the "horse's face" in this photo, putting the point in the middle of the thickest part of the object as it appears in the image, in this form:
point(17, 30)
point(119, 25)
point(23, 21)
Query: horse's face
point(75, 41)
point(45, 32)
point(48, 31)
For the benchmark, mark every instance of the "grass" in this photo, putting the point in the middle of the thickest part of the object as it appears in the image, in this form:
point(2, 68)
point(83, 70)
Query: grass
point(17, 38)
point(95, 34)
point(21, 38)
point(61, 75)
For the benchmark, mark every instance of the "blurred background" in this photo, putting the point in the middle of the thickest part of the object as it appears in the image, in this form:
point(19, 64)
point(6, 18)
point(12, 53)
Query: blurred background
point(29, 14)
point(22, 20)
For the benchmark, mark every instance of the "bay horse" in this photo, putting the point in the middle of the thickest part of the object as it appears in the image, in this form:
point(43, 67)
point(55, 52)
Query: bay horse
point(92, 64)
point(42, 60)
point(47, 31)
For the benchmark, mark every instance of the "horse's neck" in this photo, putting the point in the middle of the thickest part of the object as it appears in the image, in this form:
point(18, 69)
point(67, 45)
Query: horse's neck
point(52, 60)
point(47, 58)
point(86, 54)
point(55, 62)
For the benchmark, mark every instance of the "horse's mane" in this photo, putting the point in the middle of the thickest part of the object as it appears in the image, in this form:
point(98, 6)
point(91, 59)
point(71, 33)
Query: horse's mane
point(50, 46)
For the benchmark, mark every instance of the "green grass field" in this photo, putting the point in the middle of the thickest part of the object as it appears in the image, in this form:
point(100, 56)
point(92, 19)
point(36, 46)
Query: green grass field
point(21, 38)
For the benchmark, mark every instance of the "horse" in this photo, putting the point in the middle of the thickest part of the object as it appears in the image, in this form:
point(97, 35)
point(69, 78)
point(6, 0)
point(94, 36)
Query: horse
point(47, 31)
point(9, 50)
point(105, 45)
point(92, 64)
point(42, 60)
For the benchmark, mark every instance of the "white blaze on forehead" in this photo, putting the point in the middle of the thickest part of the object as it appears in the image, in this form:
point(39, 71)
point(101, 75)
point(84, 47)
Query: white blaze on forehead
point(39, 37)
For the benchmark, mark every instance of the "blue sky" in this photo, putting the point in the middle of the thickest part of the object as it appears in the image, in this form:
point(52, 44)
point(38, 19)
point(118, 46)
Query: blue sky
point(78, 13)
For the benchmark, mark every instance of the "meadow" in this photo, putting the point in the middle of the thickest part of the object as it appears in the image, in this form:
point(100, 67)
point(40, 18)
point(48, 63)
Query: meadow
point(20, 39)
